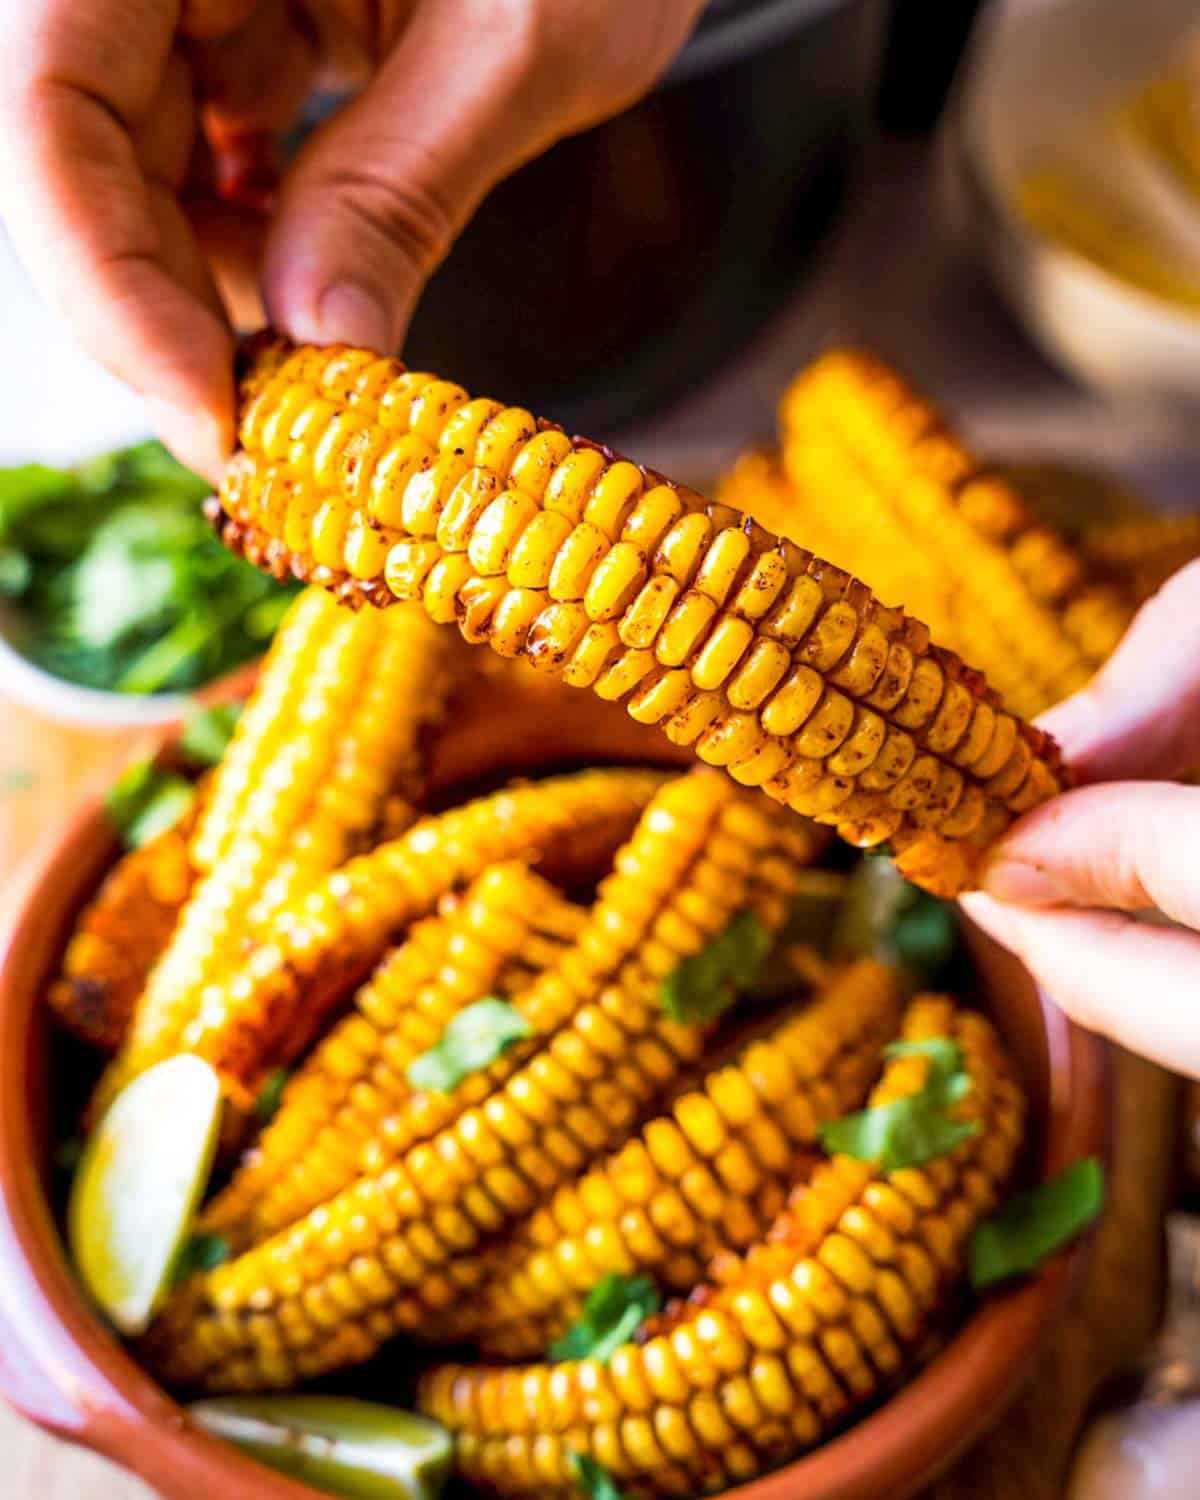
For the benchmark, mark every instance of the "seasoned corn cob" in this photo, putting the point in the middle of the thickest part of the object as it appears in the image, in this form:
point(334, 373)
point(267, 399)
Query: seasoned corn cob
point(774, 1353)
point(383, 484)
point(927, 523)
point(316, 948)
point(507, 927)
point(330, 1289)
point(684, 875)
point(120, 934)
point(1146, 550)
point(706, 1175)
point(326, 739)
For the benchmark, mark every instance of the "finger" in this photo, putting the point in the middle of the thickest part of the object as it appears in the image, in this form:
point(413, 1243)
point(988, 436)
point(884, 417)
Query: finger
point(1129, 845)
point(1130, 981)
point(376, 198)
point(104, 240)
point(1140, 715)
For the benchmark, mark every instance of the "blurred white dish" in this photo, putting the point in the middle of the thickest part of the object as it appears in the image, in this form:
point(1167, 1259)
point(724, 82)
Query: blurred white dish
point(21, 681)
point(1038, 72)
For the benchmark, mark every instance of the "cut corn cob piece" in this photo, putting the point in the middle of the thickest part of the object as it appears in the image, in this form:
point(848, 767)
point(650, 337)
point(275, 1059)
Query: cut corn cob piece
point(1146, 550)
point(383, 484)
point(507, 927)
point(330, 1289)
point(330, 730)
point(119, 935)
point(708, 1174)
point(320, 946)
point(683, 876)
point(926, 523)
point(768, 1358)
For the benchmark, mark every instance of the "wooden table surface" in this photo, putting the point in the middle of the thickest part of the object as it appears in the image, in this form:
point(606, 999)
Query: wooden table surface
point(43, 767)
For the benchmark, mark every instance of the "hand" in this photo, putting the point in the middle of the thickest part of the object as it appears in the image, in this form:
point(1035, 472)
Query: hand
point(114, 113)
point(1060, 886)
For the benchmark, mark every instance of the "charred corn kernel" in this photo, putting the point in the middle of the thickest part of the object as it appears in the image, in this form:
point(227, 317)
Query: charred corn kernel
point(874, 475)
point(538, 1281)
point(737, 586)
point(316, 948)
point(507, 926)
point(579, 1094)
point(120, 934)
point(328, 744)
point(783, 1341)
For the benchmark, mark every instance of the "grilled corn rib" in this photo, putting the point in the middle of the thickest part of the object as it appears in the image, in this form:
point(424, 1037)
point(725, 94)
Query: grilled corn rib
point(326, 737)
point(331, 1288)
point(925, 522)
point(120, 934)
point(508, 926)
point(708, 1174)
point(1146, 550)
point(383, 484)
point(779, 1348)
point(684, 875)
point(319, 946)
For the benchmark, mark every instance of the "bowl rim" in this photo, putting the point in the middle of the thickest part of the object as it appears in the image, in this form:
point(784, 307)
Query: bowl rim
point(62, 1368)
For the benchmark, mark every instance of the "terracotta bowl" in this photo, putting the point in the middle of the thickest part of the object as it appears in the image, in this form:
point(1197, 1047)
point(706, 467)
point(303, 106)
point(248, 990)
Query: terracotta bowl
point(61, 1367)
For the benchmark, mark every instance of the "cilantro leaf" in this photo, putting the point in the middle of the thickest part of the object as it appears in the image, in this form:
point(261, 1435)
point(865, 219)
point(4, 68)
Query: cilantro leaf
point(146, 801)
point(615, 1309)
point(270, 1096)
point(595, 1482)
point(1031, 1226)
point(885, 917)
point(708, 982)
point(910, 1131)
point(207, 732)
point(472, 1040)
point(201, 1252)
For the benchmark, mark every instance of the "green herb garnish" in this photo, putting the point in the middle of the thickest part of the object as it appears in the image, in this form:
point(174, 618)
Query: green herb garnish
point(146, 801)
point(596, 1482)
point(885, 917)
point(472, 1040)
point(1033, 1225)
point(200, 1252)
point(207, 732)
point(118, 580)
point(708, 982)
point(615, 1309)
point(270, 1096)
point(917, 1128)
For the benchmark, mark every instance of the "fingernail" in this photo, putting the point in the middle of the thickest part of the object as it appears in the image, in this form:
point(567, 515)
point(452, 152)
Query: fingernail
point(348, 313)
point(1023, 884)
point(193, 435)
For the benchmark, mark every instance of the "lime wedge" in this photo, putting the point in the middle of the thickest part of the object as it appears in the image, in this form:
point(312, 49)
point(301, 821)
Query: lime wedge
point(139, 1180)
point(351, 1448)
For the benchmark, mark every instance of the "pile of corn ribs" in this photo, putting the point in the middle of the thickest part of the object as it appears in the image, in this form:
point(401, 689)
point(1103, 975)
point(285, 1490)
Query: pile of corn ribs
point(324, 911)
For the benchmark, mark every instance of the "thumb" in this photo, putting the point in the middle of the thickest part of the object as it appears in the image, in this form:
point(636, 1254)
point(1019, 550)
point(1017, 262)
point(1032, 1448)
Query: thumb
point(1139, 717)
point(377, 197)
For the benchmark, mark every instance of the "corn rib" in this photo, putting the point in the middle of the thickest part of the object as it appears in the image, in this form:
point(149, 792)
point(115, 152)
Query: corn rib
point(382, 484)
point(705, 1176)
point(328, 734)
point(779, 1349)
point(121, 933)
point(331, 1288)
point(507, 926)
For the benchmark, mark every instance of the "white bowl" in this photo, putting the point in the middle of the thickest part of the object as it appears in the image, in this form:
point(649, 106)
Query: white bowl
point(1037, 70)
point(23, 682)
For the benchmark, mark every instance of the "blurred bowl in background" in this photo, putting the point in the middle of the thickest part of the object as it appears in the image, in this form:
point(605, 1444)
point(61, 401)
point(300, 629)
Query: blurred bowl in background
point(1037, 72)
point(23, 682)
point(615, 271)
